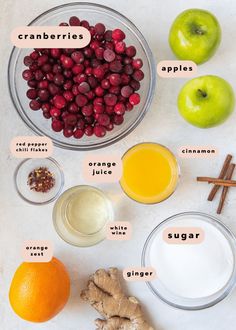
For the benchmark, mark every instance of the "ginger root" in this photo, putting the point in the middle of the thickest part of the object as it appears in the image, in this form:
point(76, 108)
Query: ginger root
point(105, 294)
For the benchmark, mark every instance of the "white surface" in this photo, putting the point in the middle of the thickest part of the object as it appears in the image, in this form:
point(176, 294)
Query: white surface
point(20, 221)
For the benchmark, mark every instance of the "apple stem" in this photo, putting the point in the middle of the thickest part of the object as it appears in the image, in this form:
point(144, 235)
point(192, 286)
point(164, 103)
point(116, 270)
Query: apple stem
point(204, 94)
point(199, 31)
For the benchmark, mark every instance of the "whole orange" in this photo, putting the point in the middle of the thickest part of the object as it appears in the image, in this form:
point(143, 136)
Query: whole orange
point(39, 291)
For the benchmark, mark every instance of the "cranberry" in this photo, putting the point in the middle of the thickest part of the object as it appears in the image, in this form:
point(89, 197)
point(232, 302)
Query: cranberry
point(77, 57)
point(108, 35)
point(89, 120)
point(47, 115)
point(129, 106)
point(49, 76)
point(87, 110)
point(128, 69)
point(138, 75)
point(58, 79)
point(100, 28)
point(46, 107)
point(118, 35)
point(55, 112)
point(28, 60)
point(95, 44)
point(32, 93)
point(70, 120)
point(134, 99)
point(109, 55)
point(118, 119)
point(115, 79)
point(120, 47)
point(73, 108)
point(92, 82)
point(32, 83)
point(85, 24)
point(43, 94)
point(105, 84)
point(38, 75)
point(27, 75)
point(99, 91)
point(53, 89)
point(57, 125)
point(78, 133)
point(90, 95)
point(89, 71)
point(98, 108)
point(68, 85)
point(110, 99)
point(63, 24)
point(88, 52)
point(67, 73)
point(119, 108)
point(34, 55)
point(130, 51)
point(135, 85)
point(83, 87)
point(81, 100)
point(114, 90)
point(74, 21)
point(68, 95)
point(109, 110)
point(66, 61)
point(55, 52)
point(103, 119)
point(110, 127)
point(59, 101)
point(35, 105)
point(99, 131)
point(99, 53)
point(137, 63)
point(43, 84)
point(126, 91)
point(46, 67)
point(115, 66)
point(42, 60)
point(88, 131)
point(67, 132)
point(99, 72)
point(80, 123)
point(125, 79)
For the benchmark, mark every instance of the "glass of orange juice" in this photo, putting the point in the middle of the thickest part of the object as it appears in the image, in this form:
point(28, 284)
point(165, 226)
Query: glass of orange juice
point(150, 173)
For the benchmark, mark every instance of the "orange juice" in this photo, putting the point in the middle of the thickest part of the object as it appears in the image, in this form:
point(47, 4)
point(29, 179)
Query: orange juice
point(150, 173)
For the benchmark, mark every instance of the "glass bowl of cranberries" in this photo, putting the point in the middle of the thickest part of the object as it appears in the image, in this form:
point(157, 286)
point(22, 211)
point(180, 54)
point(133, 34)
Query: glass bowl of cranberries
point(85, 98)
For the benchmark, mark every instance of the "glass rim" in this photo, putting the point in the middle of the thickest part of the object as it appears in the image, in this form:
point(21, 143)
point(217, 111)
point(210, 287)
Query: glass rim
point(152, 71)
point(226, 289)
point(178, 173)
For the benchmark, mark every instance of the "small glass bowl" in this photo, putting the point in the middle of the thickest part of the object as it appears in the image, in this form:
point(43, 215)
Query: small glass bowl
point(94, 13)
point(160, 290)
point(63, 225)
point(21, 180)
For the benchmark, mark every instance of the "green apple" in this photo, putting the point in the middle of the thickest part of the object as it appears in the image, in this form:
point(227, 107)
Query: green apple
point(195, 35)
point(206, 101)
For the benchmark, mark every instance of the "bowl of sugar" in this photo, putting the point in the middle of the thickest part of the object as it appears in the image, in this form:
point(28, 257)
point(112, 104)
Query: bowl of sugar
point(194, 257)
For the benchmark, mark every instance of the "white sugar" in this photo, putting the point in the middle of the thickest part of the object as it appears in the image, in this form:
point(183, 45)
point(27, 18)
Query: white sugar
point(193, 270)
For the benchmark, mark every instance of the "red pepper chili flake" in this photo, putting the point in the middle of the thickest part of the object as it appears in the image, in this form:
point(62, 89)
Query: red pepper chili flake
point(41, 180)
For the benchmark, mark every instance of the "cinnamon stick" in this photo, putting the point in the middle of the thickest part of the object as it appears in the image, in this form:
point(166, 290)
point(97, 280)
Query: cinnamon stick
point(225, 189)
point(221, 176)
point(220, 182)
